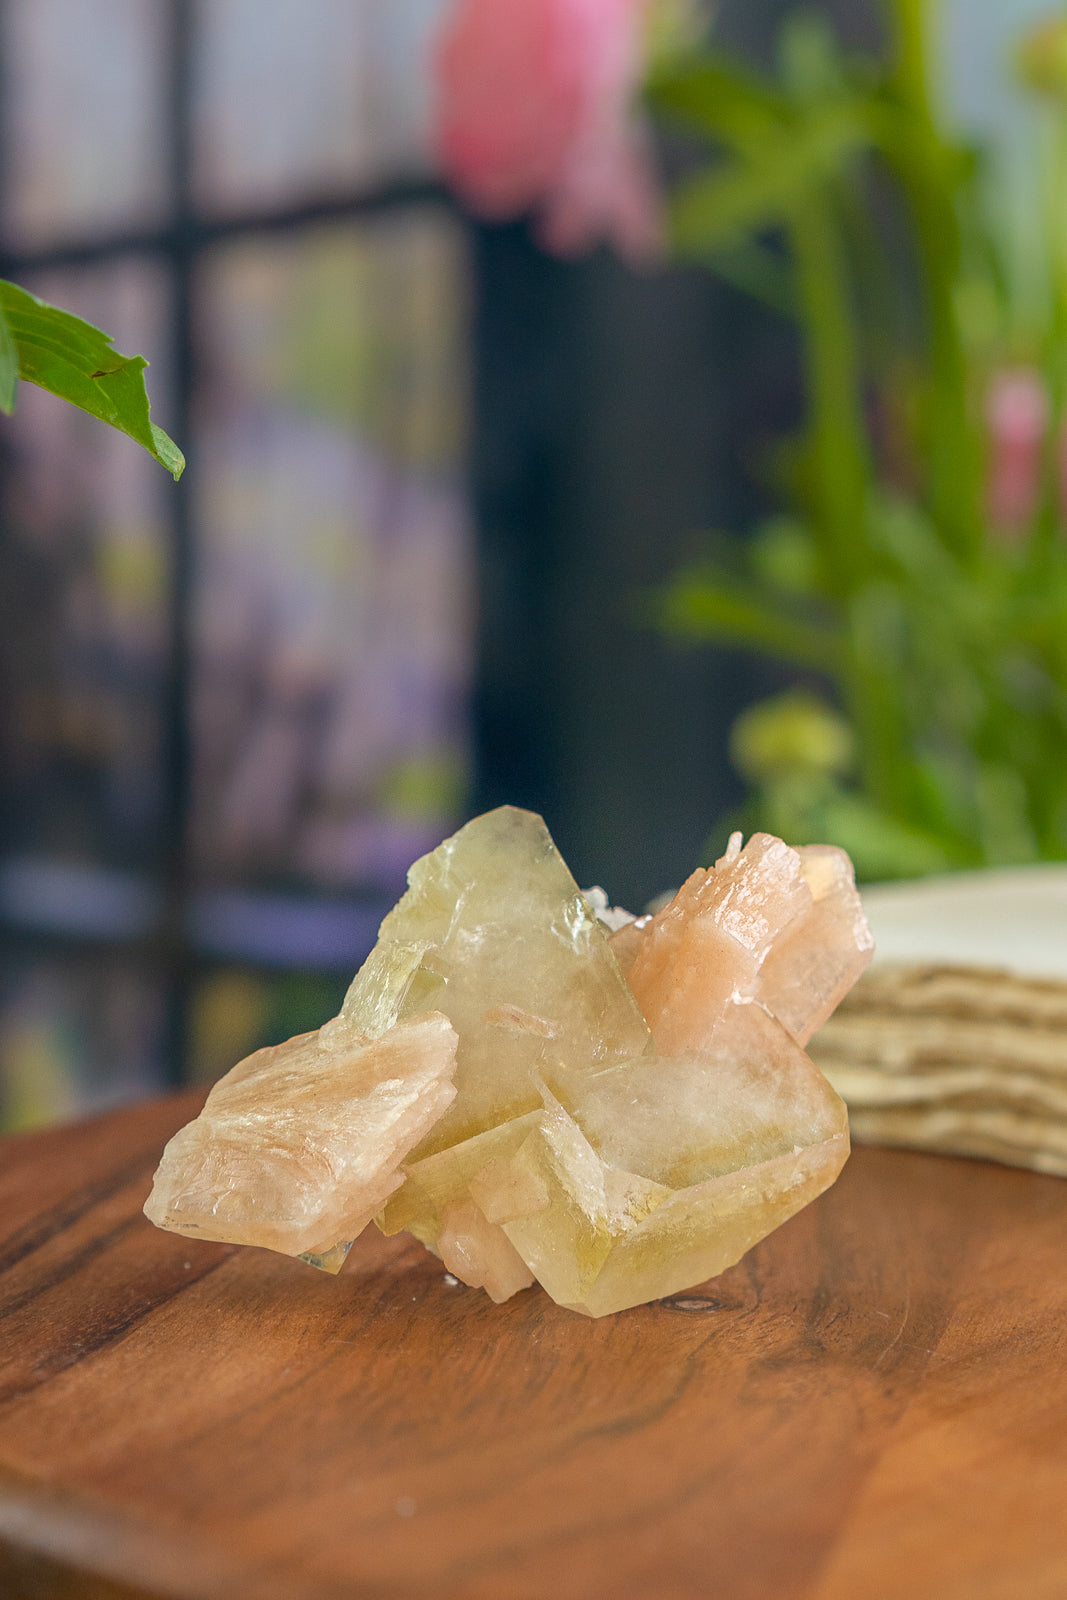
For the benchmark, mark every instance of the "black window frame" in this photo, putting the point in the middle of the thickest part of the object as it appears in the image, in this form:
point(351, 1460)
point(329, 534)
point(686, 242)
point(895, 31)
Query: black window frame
point(178, 243)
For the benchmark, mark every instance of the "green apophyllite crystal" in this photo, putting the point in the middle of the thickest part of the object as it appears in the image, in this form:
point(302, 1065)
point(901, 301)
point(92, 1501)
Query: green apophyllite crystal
point(667, 1169)
point(494, 933)
point(661, 1172)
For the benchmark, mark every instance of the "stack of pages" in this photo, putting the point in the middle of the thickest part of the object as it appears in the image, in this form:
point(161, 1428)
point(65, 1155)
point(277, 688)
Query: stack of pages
point(956, 1037)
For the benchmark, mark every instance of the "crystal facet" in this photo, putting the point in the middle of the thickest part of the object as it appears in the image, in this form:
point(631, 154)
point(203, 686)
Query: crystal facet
point(494, 933)
point(299, 1145)
point(768, 922)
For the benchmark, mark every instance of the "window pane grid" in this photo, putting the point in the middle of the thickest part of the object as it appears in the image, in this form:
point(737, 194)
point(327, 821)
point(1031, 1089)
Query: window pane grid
point(335, 438)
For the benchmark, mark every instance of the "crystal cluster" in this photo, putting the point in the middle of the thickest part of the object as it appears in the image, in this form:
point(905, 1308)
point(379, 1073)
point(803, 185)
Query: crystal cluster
point(618, 1108)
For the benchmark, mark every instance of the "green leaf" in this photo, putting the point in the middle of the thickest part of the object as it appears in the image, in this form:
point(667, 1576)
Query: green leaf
point(715, 95)
point(811, 809)
point(810, 57)
point(881, 845)
point(760, 191)
point(758, 271)
point(9, 367)
point(72, 359)
point(702, 605)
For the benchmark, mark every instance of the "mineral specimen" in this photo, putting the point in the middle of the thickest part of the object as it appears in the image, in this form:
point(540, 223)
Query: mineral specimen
point(616, 1140)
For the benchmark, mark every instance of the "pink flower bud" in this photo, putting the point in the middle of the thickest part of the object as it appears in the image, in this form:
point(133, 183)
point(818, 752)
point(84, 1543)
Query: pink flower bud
point(1017, 412)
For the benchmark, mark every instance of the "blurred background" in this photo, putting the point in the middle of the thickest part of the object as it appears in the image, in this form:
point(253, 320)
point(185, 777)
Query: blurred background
point(436, 474)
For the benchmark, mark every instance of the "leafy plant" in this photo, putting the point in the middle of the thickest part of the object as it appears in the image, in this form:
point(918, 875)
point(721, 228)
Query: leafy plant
point(59, 352)
point(933, 639)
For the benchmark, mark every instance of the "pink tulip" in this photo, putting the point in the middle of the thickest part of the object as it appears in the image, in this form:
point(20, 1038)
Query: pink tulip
point(535, 112)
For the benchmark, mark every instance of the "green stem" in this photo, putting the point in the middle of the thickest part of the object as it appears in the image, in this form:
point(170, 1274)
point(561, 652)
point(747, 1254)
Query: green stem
point(841, 473)
point(910, 70)
point(837, 438)
point(1049, 520)
point(926, 166)
point(873, 700)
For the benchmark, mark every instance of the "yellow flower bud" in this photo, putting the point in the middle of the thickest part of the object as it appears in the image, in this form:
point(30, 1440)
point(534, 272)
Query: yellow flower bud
point(793, 733)
point(1042, 58)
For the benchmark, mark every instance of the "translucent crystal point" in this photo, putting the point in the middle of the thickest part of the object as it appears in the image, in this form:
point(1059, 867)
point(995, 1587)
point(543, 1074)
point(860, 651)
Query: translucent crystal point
point(820, 954)
point(480, 1254)
point(444, 1178)
point(766, 922)
point(494, 933)
point(299, 1145)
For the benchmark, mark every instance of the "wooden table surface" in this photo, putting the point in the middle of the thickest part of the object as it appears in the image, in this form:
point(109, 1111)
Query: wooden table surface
point(872, 1405)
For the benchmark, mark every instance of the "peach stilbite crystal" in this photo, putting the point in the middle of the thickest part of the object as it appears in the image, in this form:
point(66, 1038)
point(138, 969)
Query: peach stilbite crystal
point(768, 922)
point(480, 1254)
point(299, 1145)
point(813, 964)
point(616, 1140)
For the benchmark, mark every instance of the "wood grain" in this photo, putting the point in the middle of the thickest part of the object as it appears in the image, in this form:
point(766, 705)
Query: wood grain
point(873, 1404)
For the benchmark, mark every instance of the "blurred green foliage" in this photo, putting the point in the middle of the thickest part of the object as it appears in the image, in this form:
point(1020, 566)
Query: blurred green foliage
point(934, 734)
